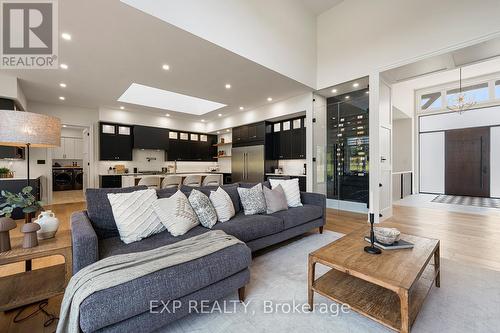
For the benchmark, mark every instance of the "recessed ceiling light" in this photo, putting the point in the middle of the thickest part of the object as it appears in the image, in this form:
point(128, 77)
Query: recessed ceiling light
point(122, 108)
point(242, 108)
point(63, 66)
point(165, 67)
point(62, 85)
point(167, 100)
point(62, 98)
point(334, 91)
point(269, 99)
point(218, 132)
point(220, 114)
point(66, 36)
point(228, 86)
point(367, 92)
point(167, 115)
point(347, 97)
point(355, 84)
point(203, 120)
point(64, 126)
point(228, 130)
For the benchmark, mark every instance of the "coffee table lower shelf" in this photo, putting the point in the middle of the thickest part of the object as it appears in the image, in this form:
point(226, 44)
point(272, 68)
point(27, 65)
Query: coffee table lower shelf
point(371, 300)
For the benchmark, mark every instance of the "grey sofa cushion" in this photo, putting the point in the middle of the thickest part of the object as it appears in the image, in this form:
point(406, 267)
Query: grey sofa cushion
point(295, 216)
point(99, 209)
point(132, 298)
point(250, 227)
point(166, 192)
point(112, 246)
point(275, 199)
point(231, 189)
point(249, 185)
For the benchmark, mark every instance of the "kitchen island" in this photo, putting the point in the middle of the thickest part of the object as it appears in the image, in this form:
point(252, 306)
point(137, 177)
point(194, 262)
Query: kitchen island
point(129, 180)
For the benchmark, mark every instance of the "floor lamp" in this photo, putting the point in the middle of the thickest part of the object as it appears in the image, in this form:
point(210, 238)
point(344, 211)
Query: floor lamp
point(27, 129)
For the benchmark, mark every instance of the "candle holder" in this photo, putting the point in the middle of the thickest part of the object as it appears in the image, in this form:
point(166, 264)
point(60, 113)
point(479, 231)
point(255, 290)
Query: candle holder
point(372, 249)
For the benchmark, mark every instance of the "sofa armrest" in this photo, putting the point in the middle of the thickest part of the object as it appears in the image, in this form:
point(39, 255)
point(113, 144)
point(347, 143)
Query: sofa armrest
point(316, 199)
point(84, 241)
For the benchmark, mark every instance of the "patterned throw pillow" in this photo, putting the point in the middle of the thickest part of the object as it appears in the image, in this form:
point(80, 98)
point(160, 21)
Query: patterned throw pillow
point(275, 199)
point(291, 189)
point(134, 215)
point(223, 204)
point(252, 200)
point(203, 208)
point(176, 214)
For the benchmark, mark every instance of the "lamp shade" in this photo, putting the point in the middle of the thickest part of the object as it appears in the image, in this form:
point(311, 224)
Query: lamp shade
point(19, 128)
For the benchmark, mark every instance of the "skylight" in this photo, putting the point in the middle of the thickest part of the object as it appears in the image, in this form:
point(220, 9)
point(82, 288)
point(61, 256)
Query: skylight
point(167, 100)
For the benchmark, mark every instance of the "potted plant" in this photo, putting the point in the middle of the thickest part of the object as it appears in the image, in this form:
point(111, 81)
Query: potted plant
point(6, 173)
point(24, 200)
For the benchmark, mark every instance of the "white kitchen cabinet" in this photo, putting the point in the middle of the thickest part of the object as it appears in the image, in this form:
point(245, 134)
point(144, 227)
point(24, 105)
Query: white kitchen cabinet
point(71, 148)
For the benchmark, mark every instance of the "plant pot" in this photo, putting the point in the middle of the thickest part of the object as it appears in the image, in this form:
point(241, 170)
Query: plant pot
point(7, 175)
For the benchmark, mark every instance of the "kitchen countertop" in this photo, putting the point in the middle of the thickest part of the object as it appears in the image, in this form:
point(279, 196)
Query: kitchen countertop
point(68, 167)
point(19, 178)
point(139, 174)
point(285, 175)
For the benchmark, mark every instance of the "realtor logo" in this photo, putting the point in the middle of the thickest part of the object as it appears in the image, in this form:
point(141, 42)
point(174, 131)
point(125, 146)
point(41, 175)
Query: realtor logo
point(29, 37)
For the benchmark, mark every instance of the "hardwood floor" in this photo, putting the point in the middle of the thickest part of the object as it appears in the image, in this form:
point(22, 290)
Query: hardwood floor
point(468, 238)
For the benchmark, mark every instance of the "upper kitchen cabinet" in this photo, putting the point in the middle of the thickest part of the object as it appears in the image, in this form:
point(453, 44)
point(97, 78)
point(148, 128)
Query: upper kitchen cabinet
point(248, 135)
point(151, 137)
point(70, 148)
point(289, 139)
point(185, 146)
point(115, 142)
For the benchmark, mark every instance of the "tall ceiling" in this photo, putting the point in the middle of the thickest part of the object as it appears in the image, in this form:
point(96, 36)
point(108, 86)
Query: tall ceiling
point(113, 45)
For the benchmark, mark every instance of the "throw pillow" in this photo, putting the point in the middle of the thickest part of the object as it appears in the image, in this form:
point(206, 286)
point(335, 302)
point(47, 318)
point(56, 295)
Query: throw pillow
point(275, 199)
point(291, 189)
point(252, 200)
point(134, 214)
point(203, 208)
point(223, 204)
point(176, 214)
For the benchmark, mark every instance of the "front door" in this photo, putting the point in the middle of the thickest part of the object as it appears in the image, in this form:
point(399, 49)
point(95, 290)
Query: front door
point(467, 161)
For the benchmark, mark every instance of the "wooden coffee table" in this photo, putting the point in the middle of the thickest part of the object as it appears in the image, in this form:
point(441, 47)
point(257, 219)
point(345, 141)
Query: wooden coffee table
point(389, 288)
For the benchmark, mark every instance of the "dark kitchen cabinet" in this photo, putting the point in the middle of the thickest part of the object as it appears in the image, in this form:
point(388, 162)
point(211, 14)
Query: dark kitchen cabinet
point(249, 135)
point(288, 139)
point(110, 181)
point(201, 149)
point(150, 138)
point(11, 153)
point(115, 142)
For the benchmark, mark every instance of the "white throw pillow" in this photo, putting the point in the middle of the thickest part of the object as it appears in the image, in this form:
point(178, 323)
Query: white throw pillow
point(252, 200)
point(203, 208)
point(291, 189)
point(176, 214)
point(223, 204)
point(134, 214)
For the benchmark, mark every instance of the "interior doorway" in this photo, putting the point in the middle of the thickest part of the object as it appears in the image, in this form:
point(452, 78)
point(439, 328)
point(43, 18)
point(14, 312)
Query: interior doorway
point(467, 160)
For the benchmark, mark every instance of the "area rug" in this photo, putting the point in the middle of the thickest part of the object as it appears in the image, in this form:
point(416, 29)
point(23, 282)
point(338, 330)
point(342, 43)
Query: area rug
point(468, 201)
point(468, 300)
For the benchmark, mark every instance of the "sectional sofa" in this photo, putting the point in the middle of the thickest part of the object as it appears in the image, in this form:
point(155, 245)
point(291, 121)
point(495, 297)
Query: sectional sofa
point(126, 307)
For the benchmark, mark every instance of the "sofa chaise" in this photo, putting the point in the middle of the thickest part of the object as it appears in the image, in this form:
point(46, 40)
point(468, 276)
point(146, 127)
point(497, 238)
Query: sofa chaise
point(126, 307)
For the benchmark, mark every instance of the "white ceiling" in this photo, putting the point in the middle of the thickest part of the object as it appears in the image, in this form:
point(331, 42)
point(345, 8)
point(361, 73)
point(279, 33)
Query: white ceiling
point(319, 6)
point(114, 45)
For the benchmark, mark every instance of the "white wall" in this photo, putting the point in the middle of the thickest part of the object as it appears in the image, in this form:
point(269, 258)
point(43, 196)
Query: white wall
point(278, 34)
point(495, 162)
point(432, 156)
point(454, 120)
point(389, 32)
point(10, 88)
point(149, 119)
point(402, 145)
point(286, 107)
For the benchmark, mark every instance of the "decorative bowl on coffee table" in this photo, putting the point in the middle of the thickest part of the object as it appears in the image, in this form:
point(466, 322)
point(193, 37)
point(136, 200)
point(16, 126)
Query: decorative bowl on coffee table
point(387, 236)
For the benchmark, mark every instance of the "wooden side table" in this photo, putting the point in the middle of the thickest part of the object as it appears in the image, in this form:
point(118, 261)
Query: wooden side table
point(39, 284)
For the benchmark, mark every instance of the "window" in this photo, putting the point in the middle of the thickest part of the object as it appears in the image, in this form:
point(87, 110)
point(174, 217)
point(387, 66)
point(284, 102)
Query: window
point(277, 127)
point(194, 137)
point(108, 129)
point(431, 101)
point(184, 136)
point(203, 138)
point(123, 130)
point(296, 123)
point(286, 125)
point(172, 135)
point(497, 89)
point(477, 93)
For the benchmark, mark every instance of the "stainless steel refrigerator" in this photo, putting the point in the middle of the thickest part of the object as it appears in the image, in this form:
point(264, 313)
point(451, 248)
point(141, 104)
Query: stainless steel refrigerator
point(247, 164)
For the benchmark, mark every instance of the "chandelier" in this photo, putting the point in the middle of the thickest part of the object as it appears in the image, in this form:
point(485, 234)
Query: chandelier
point(461, 102)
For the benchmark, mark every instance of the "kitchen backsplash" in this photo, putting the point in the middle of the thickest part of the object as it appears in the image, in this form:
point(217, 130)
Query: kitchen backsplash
point(153, 160)
point(292, 167)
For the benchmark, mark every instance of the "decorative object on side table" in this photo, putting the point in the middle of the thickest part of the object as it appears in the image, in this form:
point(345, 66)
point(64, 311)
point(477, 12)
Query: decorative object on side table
point(6, 173)
point(372, 249)
point(6, 224)
point(30, 238)
point(49, 224)
point(24, 200)
point(387, 236)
